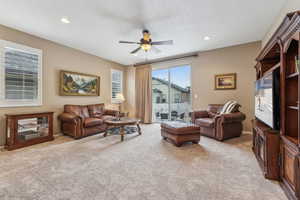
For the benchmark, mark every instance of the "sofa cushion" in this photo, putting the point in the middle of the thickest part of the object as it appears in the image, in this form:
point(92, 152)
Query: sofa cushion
point(81, 111)
point(96, 110)
point(74, 109)
point(205, 122)
point(90, 122)
point(106, 117)
point(85, 112)
point(215, 108)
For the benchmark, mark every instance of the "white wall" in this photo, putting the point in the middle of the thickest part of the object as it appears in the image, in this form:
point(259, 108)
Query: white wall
point(290, 6)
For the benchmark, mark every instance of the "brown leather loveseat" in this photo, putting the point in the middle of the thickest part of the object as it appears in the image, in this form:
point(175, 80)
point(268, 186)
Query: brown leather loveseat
point(83, 120)
point(219, 126)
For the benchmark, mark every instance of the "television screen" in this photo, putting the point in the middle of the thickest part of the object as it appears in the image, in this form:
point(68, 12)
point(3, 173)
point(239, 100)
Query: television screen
point(264, 100)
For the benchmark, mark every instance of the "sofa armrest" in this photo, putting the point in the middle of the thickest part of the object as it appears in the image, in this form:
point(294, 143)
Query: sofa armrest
point(111, 112)
point(199, 114)
point(233, 117)
point(69, 117)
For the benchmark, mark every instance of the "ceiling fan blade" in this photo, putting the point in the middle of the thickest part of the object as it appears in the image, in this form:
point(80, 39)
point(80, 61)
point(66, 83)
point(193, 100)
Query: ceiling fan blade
point(155, 49)
point(136, 50)
point(167, 42)
point(127, 42)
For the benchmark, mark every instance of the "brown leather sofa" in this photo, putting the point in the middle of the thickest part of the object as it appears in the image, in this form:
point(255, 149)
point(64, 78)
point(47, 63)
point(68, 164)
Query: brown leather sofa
point(218, 126)
point(83, 120)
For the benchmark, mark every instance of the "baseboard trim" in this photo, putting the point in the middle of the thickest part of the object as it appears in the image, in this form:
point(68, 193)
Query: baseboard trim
point(57, 135)
point(60, 134)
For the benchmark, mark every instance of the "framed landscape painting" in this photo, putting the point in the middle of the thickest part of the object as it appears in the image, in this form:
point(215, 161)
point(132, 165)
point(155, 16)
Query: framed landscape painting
point(79, 84)
point(225, 81)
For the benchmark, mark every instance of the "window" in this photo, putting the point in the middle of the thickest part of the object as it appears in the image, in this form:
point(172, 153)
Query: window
point(157, 99)
point(164, 98)
point(177, 98)
point(20, 75)
point(116, 84)
point(174, 84)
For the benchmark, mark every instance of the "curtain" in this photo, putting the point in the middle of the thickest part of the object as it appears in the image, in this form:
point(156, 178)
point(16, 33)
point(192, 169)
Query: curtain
point(130, 91)
point(143, 86)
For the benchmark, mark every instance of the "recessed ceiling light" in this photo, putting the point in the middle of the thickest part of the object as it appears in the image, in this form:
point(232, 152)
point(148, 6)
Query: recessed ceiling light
point(65, 20)
point(206, 38)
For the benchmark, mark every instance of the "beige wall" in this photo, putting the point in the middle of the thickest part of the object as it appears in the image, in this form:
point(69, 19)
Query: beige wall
point(237, 59)
point(55, 58)
point(289, 6)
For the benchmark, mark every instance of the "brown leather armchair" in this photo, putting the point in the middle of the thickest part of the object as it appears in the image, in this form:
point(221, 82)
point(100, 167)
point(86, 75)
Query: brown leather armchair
point(83, 120)
point(218, 126)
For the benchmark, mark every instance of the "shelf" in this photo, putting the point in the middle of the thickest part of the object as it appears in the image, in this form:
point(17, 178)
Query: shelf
point(272, 68)
point(293, 107)
point(292, 139)
point(296, 74)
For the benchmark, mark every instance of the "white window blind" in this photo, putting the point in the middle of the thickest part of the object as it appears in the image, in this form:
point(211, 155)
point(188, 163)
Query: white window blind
point(116, 84)
point(20, 75)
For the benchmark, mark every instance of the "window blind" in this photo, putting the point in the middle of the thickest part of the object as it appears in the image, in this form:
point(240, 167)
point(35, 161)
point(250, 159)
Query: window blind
point(21, 75)
point(116, 84)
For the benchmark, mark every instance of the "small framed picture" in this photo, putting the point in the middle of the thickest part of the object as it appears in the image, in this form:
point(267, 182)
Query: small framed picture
point(225, 81)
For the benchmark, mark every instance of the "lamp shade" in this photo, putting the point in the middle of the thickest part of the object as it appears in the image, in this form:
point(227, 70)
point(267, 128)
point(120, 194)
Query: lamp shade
point(120, 97)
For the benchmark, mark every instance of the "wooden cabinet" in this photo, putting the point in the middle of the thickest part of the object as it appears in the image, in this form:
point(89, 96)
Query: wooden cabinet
point(283, 48)
point(27, 129)
point(290, 112)
point(289, 168)
point(266, 149)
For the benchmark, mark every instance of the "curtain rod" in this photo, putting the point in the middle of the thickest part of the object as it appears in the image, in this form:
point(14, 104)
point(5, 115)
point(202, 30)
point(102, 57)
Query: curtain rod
point(166, 59)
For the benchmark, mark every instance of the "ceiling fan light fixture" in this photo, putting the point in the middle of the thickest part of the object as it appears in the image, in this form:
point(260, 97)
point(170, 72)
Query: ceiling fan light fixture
point(146, 47)
point(146, 35)
point(146, 44)
point(206, 38)
point(65, 20)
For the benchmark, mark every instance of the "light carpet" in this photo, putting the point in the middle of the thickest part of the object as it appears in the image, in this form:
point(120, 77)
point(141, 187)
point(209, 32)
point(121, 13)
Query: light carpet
point(140, 168)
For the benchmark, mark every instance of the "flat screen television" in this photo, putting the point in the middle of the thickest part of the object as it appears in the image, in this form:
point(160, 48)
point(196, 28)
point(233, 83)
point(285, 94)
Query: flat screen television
point(267, 99)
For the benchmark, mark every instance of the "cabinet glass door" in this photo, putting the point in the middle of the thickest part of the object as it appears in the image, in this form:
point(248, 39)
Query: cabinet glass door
point(32, 128)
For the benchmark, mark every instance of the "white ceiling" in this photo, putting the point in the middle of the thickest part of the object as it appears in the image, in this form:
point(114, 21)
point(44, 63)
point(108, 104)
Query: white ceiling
point(97, 25)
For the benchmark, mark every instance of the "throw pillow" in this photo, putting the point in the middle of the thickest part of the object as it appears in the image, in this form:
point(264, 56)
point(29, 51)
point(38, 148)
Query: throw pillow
point(225, 107)
point(232, 107)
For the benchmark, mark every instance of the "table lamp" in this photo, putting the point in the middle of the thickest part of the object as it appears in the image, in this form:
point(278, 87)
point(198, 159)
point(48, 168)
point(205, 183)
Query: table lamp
point(120, 99)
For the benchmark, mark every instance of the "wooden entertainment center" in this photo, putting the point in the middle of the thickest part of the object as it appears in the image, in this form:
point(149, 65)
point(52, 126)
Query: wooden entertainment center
point(278, 152)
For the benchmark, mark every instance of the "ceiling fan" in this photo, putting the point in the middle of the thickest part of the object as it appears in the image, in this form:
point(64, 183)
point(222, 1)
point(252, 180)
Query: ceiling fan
point(146, 43)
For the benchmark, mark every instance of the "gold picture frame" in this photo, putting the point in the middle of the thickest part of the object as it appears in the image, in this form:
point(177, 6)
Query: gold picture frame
point(225, 81)
point(78, 84)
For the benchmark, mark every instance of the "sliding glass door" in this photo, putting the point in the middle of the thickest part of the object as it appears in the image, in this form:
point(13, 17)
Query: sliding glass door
point(171, 94)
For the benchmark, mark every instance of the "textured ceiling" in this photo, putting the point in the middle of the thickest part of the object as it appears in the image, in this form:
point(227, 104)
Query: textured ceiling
point(97, 25)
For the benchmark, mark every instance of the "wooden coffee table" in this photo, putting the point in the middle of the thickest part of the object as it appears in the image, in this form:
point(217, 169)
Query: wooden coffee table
point(124, 121)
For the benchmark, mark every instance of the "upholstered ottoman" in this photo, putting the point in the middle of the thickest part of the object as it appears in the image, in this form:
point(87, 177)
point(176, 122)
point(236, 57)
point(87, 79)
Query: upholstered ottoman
point(180, 132)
